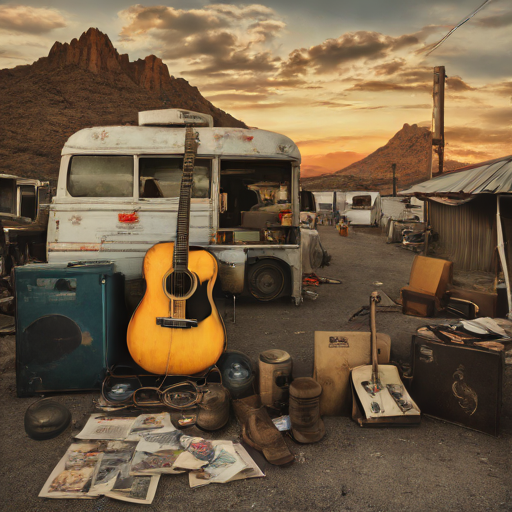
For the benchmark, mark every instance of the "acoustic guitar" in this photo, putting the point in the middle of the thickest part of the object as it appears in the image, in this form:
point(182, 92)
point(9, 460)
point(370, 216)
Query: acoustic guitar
point(176, 329)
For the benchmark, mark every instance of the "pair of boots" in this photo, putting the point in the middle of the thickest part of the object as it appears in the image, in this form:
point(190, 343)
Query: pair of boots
point(259, 431)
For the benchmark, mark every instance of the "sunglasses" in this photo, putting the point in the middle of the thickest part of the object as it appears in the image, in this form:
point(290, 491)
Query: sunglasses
point(124, 389)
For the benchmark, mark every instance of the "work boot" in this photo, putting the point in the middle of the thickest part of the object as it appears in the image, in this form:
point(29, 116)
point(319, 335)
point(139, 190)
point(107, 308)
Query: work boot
point(259, 431)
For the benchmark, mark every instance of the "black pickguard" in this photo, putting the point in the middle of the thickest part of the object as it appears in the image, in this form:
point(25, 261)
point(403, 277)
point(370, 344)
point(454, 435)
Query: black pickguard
point(198, 306)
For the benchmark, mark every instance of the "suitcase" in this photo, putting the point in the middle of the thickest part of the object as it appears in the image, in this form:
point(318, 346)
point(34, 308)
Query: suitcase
point(70, 326)
point(336, 353)
point(461, 384)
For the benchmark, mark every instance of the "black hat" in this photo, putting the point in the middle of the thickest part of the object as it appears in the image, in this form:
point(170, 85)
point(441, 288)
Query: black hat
point(46, 419)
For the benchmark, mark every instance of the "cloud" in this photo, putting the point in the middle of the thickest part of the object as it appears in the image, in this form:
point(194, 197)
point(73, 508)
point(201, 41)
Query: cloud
point(237, 97)
point(12, 54)
point(256, 11)
point(238, 60)
point(456, 84)
point(266, 31)
point(396, 76)
point(141, 19)
point(333, 161)
point(250, 83)
point(382, 86)
point(331, 104)
point(500, 117)
point(502, 88)
point(413, 75)
point(462, 154)
point(314, 165)
point(468, 135)
point(219, 45)
point(215, 39)
point(350, 47)
point(498, 21)
point(29, 20)
point(389, 68)
point(329, 141)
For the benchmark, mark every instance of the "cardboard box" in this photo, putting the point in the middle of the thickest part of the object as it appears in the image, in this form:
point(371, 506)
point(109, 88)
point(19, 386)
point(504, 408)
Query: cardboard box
point(336, 353)
point(431, 275)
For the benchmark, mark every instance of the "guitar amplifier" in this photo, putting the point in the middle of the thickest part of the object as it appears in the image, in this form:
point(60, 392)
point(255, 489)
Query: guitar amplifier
point(460, 384)
point(70, 326)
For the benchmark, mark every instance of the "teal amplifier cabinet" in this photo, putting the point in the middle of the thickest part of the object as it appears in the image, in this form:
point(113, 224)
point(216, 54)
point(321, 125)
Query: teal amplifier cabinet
point(70, 326)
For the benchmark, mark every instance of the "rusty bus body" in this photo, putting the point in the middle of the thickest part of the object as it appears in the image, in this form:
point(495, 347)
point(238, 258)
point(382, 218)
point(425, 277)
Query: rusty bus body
point(118, 194)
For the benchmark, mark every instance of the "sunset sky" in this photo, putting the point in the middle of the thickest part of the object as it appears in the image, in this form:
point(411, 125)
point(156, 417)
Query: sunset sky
point(340, 77)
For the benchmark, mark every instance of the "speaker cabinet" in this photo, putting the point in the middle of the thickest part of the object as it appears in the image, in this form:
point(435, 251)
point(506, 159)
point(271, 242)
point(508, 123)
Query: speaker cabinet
point(70, 326)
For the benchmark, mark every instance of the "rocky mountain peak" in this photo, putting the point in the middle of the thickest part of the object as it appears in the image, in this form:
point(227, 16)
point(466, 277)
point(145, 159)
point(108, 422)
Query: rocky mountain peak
point(93, 51)
point(409, 149)
point(83, 83)
point(150, 73)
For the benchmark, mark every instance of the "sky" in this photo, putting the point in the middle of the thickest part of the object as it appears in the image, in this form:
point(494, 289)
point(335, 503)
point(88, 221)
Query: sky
point(339, 77)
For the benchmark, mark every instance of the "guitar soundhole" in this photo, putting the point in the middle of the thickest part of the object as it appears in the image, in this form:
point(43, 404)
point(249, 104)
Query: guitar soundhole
point(179, 284)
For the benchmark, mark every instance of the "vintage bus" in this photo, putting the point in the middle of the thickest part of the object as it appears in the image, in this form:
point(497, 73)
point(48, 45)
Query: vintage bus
point(118, 194)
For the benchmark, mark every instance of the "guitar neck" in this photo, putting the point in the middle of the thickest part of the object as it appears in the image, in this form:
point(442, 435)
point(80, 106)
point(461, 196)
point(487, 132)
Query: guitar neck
point(374, 298)
point(182, 235)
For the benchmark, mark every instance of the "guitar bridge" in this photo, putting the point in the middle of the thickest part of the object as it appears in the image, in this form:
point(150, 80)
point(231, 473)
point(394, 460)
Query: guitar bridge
point(177, 323)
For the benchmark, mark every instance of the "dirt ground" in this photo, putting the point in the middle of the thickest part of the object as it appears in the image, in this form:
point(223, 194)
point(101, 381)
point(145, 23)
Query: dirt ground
point(436, 466)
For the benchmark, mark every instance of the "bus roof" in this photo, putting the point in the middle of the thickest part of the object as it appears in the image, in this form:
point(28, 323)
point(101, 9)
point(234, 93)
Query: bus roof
point(170, 140)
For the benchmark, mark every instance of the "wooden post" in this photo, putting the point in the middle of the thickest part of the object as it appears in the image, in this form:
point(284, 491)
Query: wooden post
point(438, 114)
point(393, 166)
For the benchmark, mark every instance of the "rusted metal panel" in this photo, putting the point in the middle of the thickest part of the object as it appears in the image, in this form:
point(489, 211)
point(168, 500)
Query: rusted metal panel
point(467, 233)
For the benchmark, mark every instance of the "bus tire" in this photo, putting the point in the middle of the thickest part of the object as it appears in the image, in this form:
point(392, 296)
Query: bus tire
point(267, 279)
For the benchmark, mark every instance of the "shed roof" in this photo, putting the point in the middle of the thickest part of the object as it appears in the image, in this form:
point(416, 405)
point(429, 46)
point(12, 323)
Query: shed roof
point(492, 177)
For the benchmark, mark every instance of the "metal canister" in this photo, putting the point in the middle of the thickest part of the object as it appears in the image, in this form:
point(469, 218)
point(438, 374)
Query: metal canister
point(213, 410)
point(237, 373)
point(275, 376)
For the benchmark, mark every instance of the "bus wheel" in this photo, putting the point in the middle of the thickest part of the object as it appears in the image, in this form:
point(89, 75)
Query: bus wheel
point(266, 279)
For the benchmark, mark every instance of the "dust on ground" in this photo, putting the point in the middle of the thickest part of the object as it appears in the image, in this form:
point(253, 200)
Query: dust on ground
point(436, 466)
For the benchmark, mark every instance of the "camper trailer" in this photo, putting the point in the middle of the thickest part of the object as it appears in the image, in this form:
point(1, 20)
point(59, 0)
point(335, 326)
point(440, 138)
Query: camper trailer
point(360, 208)
point(325, 202)
point(118, 194)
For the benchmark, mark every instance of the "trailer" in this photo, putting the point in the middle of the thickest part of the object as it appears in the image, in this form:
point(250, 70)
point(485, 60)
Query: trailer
point(118, 195)
point(360, 208)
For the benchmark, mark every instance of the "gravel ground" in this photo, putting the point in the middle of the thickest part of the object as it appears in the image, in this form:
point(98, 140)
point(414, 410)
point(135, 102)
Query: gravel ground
point(436, 466)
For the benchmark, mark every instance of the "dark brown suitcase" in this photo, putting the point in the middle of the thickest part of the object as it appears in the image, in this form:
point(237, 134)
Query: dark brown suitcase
point(458, 383)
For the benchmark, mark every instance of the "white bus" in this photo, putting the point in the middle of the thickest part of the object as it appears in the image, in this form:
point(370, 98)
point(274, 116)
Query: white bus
point(118, 194)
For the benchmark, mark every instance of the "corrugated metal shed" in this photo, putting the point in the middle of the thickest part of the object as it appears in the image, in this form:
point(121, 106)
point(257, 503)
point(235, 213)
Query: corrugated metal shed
point(493, 177)
point(470, 210)
point(467, 233)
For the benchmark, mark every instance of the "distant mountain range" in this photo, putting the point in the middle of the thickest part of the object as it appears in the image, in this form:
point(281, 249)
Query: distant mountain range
point(88, 83)
point(409, 149)
point(82, 84)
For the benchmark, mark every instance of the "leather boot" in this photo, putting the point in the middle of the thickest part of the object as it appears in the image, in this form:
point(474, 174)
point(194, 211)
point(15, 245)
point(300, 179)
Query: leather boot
point(259, 431)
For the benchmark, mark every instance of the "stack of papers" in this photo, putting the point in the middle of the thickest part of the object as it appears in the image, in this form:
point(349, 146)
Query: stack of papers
point(123, 458)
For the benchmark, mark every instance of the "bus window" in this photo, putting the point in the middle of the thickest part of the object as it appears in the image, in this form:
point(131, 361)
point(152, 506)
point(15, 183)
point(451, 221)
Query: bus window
point(257, 191)
point(100, 176)
point(161, 177)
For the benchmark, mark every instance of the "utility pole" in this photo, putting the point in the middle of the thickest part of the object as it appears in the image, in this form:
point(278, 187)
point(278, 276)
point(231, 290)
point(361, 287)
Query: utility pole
point(438, 114)
point(393, 166)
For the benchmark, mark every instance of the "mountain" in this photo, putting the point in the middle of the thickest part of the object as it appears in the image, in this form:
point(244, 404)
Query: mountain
point(82, 84)
point(409, 149)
